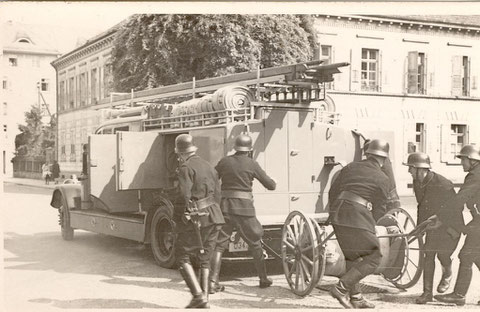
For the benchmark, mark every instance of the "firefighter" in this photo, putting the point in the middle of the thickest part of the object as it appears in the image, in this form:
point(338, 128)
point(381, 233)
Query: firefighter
point(431, 191)
point(393, 200)
point(468, 194)
point(199, 190)
point(357, 199)
point(237, 173)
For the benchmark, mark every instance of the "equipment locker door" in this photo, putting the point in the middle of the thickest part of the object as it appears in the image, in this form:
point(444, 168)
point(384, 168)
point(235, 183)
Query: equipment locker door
point(301, 177)
point(142, 158)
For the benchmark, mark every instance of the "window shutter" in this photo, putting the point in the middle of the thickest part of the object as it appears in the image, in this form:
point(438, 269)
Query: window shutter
point(445, 139)
point(409, 128)
point(380, 76)
point(425, 76)
point(412, 76)
point(457, 75)
point(469, 75)
point(356, 63)
point(467, 134)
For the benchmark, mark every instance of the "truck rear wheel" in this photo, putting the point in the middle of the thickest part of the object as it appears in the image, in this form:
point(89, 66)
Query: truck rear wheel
point(162, 237)
point(64, 221)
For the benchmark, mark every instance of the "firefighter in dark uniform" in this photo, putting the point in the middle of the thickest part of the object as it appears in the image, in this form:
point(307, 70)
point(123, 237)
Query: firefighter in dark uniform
point(468, 194)
point(237, 173)
point(357, 199)
point(393, 200)
point(432, 191)
point(199, 190)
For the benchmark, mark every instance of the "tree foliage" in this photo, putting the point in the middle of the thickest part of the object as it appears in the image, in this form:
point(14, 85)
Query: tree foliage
point(35, 136)
point(152, 50)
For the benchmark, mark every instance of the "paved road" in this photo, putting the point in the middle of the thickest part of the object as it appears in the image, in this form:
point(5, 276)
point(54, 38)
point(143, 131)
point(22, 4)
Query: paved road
point(93, 271)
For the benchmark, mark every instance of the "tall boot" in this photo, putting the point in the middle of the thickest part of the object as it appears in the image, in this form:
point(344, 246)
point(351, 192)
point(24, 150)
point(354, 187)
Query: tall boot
point(259, 261)
point(215, 264)
point(357, 300)
point(446, 278)
point(346, 283)
point(428, 273)
point(188, 274)
point(204, 281)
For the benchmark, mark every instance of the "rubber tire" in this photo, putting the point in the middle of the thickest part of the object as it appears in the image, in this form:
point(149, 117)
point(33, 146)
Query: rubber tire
point(66, 229)
point(163, 253)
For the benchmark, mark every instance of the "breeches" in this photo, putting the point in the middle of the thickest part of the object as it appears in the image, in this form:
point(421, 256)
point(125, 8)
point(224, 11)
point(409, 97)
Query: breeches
point(360, 247)
point(439, 243)
point(188, 245)
point(249, 229)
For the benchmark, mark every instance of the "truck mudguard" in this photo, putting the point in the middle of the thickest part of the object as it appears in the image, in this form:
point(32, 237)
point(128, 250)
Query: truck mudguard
point(68, 191)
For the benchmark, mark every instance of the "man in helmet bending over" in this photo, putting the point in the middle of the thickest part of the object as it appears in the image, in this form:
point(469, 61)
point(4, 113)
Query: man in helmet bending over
point(237, 173)
point(468, 194)
point(432, 191)
point(357, 198)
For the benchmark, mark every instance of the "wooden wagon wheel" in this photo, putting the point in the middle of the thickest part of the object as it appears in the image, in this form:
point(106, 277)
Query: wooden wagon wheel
point(412, 253)
point(300, 253)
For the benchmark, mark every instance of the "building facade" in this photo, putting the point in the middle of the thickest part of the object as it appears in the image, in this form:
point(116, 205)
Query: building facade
point(83, 81)
point(28, 80)
point(415, 76)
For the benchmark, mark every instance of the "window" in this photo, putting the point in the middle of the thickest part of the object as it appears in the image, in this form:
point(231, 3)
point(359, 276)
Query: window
point(71, 92)
point(12, 61)
point(326, 56)
point(107, 80)
point(420, 137)
point(417, 73)
point(83, 89)
point(61, 95)
point(460, 75)
point(458, 139)
point(4, 84)
point(370, 70)
point(5, 107)
point(4, 128)
point(94, 87)
point(44, 84)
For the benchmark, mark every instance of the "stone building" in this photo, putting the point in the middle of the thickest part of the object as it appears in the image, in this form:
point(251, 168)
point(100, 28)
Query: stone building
point(27, 79)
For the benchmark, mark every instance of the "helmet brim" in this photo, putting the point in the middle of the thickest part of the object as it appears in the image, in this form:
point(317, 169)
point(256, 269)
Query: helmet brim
point(191, 149)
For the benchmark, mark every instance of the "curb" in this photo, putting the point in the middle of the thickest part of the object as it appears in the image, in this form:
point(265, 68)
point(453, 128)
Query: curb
point(30, 185)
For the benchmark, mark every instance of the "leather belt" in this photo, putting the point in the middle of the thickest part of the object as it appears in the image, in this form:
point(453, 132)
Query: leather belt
point(205, 202)
point(347, 195)
point(237, 194)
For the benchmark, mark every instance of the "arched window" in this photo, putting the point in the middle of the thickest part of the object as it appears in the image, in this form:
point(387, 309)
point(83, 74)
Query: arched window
point(24, 40)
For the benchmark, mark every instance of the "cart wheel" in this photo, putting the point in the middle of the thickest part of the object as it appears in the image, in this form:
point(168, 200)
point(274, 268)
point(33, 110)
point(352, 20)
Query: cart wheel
point(413, 252)
point(300, 254)
point(321, 236)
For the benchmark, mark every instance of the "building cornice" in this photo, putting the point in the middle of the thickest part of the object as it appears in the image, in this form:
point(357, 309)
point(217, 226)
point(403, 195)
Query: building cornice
point(407, 24)
point(84, 51)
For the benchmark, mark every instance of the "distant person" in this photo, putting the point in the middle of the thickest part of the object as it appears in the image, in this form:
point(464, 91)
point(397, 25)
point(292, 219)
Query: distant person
point(46, 174)
point(55, 171)
point(85, 160)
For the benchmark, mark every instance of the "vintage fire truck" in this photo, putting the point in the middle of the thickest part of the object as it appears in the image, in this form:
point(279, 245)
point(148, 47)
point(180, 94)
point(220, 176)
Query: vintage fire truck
point(131, 185)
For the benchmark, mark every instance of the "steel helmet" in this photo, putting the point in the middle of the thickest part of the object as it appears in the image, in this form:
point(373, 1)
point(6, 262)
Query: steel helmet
point(378, 147)
point(469, 151)
point(243, 143)
point(418, 160)
point(184, 144)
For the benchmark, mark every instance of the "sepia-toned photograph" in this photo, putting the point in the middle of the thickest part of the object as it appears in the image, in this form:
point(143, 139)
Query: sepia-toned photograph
point(240, 155)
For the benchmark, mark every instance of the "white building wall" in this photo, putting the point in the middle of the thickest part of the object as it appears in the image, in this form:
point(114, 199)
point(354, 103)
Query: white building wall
point(392, 108)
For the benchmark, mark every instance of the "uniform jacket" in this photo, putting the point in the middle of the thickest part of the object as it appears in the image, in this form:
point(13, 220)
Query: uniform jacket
point(393, 200)
point(197, 179)
point(469, 194)
point(431, 194)
point(237, 173)
point(366, 179)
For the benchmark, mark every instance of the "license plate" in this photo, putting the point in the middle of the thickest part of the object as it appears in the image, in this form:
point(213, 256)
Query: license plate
point(238, 246)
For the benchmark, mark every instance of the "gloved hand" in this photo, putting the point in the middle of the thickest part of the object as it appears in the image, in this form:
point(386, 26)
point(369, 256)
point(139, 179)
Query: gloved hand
point(435, 223)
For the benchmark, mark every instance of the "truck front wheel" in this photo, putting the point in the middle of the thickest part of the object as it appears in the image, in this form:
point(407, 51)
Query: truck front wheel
point(162, 237)
point(64, 221)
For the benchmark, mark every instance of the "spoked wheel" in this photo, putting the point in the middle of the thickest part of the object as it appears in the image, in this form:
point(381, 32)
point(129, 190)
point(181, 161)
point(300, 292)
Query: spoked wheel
point(412, 252)
point(300, 253)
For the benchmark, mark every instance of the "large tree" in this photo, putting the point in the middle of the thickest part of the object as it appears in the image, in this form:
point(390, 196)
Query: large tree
point(35, 136)
point(152, 50)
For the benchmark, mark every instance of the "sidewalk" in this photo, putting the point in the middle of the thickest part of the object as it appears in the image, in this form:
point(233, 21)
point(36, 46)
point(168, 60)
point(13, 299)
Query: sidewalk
point(29, 182)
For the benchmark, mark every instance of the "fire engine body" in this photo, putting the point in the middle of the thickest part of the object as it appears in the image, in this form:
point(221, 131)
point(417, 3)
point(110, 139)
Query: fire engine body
point(131, 186)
